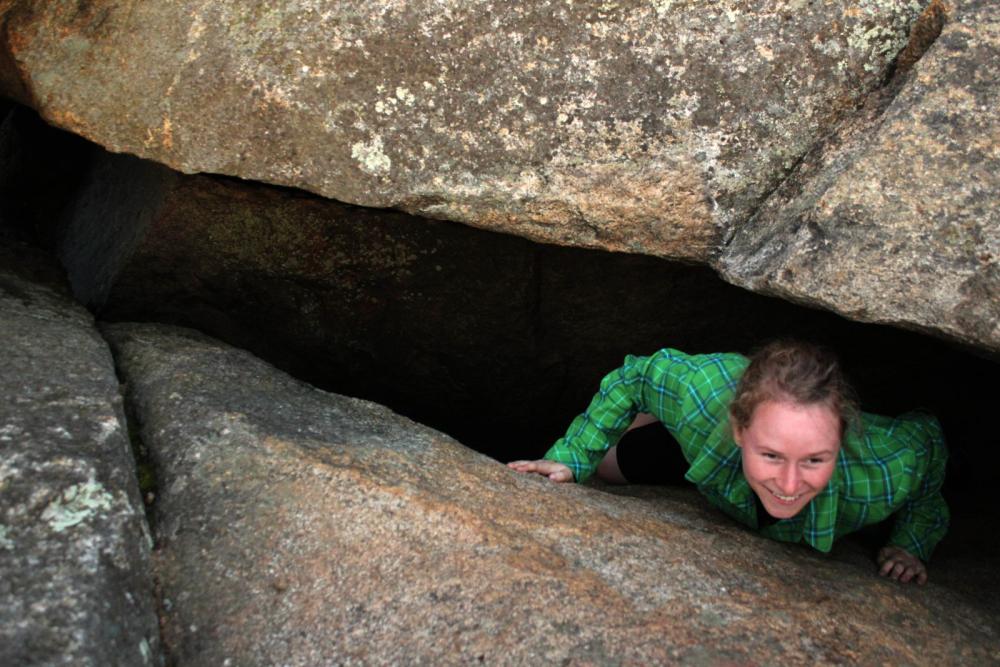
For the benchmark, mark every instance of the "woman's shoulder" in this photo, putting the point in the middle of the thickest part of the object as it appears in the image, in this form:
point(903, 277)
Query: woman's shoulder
point(701, 373)
point(882, 436)
point(699, 361)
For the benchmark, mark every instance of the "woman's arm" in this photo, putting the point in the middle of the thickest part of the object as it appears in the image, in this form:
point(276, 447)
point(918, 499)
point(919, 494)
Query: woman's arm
point(687, 393)
point(923, 519)
point(605, 420)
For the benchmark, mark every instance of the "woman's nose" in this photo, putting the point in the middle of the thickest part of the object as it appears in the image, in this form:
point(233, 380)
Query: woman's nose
point(788, 481)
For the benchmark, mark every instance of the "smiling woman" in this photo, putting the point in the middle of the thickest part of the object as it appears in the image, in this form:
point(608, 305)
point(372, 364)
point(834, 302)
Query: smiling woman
point(791, 409)
point(789, 454)
point(776, 442)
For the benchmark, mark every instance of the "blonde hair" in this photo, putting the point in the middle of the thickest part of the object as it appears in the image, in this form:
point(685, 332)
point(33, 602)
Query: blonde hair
point(796, 372)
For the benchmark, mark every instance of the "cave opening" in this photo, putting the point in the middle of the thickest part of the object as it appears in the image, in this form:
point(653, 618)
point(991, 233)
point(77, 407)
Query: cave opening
point(493, 339)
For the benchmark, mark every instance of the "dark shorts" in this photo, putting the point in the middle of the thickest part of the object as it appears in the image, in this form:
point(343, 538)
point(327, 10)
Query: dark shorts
point(650, 455)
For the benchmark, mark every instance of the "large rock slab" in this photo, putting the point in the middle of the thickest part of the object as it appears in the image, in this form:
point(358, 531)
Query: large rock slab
point(300, 527)
point(634, 125)
point(75, 583)
point(659, 128)
point(900, 222)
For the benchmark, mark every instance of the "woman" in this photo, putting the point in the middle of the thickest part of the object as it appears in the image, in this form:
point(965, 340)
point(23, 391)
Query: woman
point(775, 441)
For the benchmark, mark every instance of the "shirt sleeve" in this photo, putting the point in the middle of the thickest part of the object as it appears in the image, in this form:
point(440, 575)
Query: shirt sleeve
point(651, 384)
point(923, 520)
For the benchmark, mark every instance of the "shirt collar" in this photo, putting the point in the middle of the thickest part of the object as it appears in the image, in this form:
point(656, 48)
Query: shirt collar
point(821, 520)
point(718, 468)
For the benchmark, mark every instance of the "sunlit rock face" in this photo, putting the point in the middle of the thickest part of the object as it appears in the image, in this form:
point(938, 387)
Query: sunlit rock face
point(898, 220)
point(639, 126)
point(75, 582)
point(296, 526)
point(661, 128)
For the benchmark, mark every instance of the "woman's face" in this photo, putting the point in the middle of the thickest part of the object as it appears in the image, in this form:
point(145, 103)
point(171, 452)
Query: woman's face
point(789, 454)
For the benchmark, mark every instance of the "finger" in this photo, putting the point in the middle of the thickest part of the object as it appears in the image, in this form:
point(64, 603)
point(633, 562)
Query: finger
point(887, 567)
point(922, 577)
point(550, 468)
point(561, 475)
point(897, 570)
point(907, 575)
point(541, 467)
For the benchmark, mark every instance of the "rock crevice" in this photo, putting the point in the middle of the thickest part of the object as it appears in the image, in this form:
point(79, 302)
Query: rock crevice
point(895, 221)
point(865, 119)
point(74, 545)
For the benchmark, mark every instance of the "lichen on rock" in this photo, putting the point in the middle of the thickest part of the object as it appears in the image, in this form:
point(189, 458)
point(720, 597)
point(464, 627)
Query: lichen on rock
point(76, 503)
point(74, 551)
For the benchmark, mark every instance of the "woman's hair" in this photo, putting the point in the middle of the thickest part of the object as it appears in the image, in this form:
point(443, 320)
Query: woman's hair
point(796, 372)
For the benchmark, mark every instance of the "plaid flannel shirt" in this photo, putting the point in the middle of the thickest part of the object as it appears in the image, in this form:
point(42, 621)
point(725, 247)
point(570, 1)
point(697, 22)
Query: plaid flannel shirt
point(886, 466)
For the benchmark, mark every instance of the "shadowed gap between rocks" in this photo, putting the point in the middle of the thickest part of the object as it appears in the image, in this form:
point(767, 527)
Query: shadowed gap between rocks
point(148, 478)
point(493, 339)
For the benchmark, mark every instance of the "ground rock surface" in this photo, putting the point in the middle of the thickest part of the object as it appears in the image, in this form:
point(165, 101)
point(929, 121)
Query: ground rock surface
point(900, 222)
point(299, 527)
point(647, 126)
point(75, 585)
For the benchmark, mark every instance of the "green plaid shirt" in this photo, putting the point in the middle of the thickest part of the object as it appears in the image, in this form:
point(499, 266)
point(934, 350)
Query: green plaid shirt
point(885, 466)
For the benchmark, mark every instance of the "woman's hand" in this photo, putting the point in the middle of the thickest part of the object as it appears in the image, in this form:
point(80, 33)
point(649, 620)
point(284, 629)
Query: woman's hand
point(899, 564)
point(557, 472)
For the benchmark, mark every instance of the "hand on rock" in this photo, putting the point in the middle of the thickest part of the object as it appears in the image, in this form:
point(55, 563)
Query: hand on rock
point(899, 564)
point(557, 472)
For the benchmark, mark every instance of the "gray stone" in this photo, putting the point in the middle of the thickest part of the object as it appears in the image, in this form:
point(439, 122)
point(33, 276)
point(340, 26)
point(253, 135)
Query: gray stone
point(298, 527)
point(662, 127)
point(899, 222)
point(75, 583)
point(645, 126)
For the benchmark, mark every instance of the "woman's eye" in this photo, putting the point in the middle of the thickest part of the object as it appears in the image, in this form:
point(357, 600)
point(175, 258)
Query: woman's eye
point(769, 456)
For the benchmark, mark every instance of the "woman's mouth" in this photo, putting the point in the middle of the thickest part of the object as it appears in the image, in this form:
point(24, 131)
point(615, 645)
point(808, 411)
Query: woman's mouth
point(787, 500)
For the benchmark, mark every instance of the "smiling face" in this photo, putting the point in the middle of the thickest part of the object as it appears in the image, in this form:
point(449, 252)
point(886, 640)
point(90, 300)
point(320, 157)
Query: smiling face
point(789, 453)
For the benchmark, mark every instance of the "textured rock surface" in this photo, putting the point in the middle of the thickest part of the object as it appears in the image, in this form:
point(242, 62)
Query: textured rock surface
point(75, 586)
point(657, 127)
point(298, 527)
point(637, 125)
point(901, 223)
